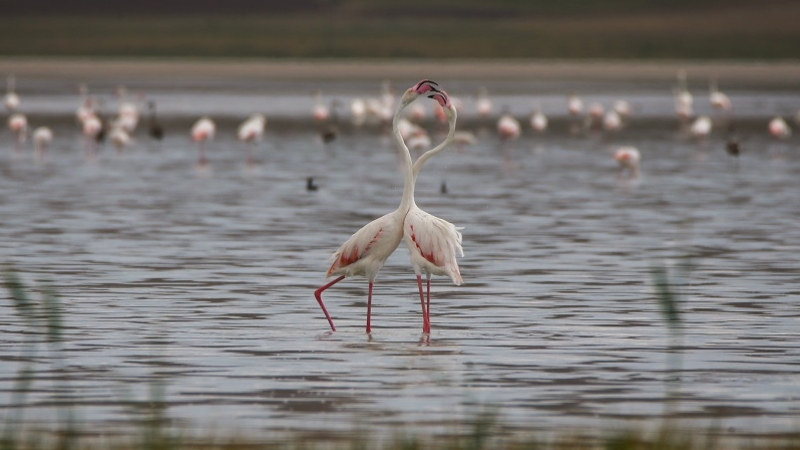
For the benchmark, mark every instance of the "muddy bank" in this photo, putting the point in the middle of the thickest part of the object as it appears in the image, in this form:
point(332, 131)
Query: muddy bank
point(756, 73)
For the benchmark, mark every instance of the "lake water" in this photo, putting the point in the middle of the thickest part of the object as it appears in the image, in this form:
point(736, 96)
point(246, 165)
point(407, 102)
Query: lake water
point(202, 281)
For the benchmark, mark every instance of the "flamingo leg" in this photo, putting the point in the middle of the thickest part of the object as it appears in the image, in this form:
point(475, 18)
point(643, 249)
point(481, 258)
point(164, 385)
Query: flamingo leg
point(369, 306)
point(202, 160)
point(425, 324)
point(318, 295)
point(428, 306)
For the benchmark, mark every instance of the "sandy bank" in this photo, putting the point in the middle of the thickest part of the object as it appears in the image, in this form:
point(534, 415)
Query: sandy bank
point(760, 73)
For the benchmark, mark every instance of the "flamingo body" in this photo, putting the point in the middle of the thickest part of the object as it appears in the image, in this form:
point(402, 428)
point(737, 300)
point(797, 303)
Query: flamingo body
point(779, 129)
point(539, 121)
point(508, 127)
point(203, 130)
point(701, 127)
point(42, 137)
point(252, 129)
point(628, 159)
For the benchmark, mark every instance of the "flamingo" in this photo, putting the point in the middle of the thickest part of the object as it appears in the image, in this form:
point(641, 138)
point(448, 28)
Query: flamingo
point(42, 137)
point(18, 124)
point(203, 130)
point(127, 112)
point(612, 121)
point(683, 98)
point(432, 242)
point(358, 111)
point(507, 126)
point(538, 120)
point(701, 127)
point(319, 112)
point(574, 105)
point(596, 112)
point(365, 252)
point(718, 99)
point(92, 129)
point(12, 99)
point(623, 109)
point(628, 159)
point(779, 129)
point(250, 132)
point(483, 104)
point(120, 137)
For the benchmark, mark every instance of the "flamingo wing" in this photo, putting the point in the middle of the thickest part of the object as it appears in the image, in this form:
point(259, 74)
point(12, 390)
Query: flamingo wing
point(433, 243)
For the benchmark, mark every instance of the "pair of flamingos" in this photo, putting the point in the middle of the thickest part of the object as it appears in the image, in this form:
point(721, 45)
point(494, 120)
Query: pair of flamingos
point(432, 242)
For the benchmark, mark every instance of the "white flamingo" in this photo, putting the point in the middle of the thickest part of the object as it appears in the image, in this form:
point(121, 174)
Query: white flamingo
point(12, 100)
point(202, 131)
point(250, 132)
point(432, 242)
point(628, 159)
point(779, 129)
point(718, 100)
point(42, 137)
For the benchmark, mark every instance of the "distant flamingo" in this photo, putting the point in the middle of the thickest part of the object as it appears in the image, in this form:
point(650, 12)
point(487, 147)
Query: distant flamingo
point(432, 242)
point(612, 121)
point(250, 132)
point(683, 98)
point(628, 159)
point(127, 112)
point(595, 118)
point(42, 137)
point(538, 120)
point(12, 100)
point(507, 127)
point(91, 127)
point(365, 252)
point(483, 104)
point(18, 124)
point(202, 131)
point(320, 111)
point(574, 105)
point(779, 129)
point(623, 109)
point(120, 137)
point(358, 111)
point(701, 127)
point(718, 100)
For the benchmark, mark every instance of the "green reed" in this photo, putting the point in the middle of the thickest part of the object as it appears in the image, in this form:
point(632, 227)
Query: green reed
point(43, 321)
point(669, 284)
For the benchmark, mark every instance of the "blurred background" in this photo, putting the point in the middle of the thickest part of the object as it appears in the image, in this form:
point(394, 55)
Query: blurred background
point(715, 29)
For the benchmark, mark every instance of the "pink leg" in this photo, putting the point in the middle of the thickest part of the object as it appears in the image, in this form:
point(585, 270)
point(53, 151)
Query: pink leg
point(202, 158)
point(425, 325)
point(369, 306)
point(318, 295)
point(428, 306)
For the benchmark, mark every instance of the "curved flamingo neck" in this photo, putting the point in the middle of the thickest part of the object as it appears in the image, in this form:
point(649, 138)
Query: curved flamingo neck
point(408, 176)
point(434, 151)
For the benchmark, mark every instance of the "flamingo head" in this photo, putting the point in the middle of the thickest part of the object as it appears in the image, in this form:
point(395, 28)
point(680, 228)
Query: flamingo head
point(418, 89)
point(444, 101)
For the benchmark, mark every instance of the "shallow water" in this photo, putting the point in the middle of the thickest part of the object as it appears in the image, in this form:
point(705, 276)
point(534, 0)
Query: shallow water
point(202, 281)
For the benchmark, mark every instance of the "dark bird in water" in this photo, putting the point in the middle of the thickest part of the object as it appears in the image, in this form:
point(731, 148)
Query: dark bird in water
point(732, 146)
point(310, 186)
point(443, 188)
point(156, 130)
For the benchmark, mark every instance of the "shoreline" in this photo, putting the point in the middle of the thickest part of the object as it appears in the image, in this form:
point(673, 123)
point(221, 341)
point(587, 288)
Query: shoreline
point(778, 73)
